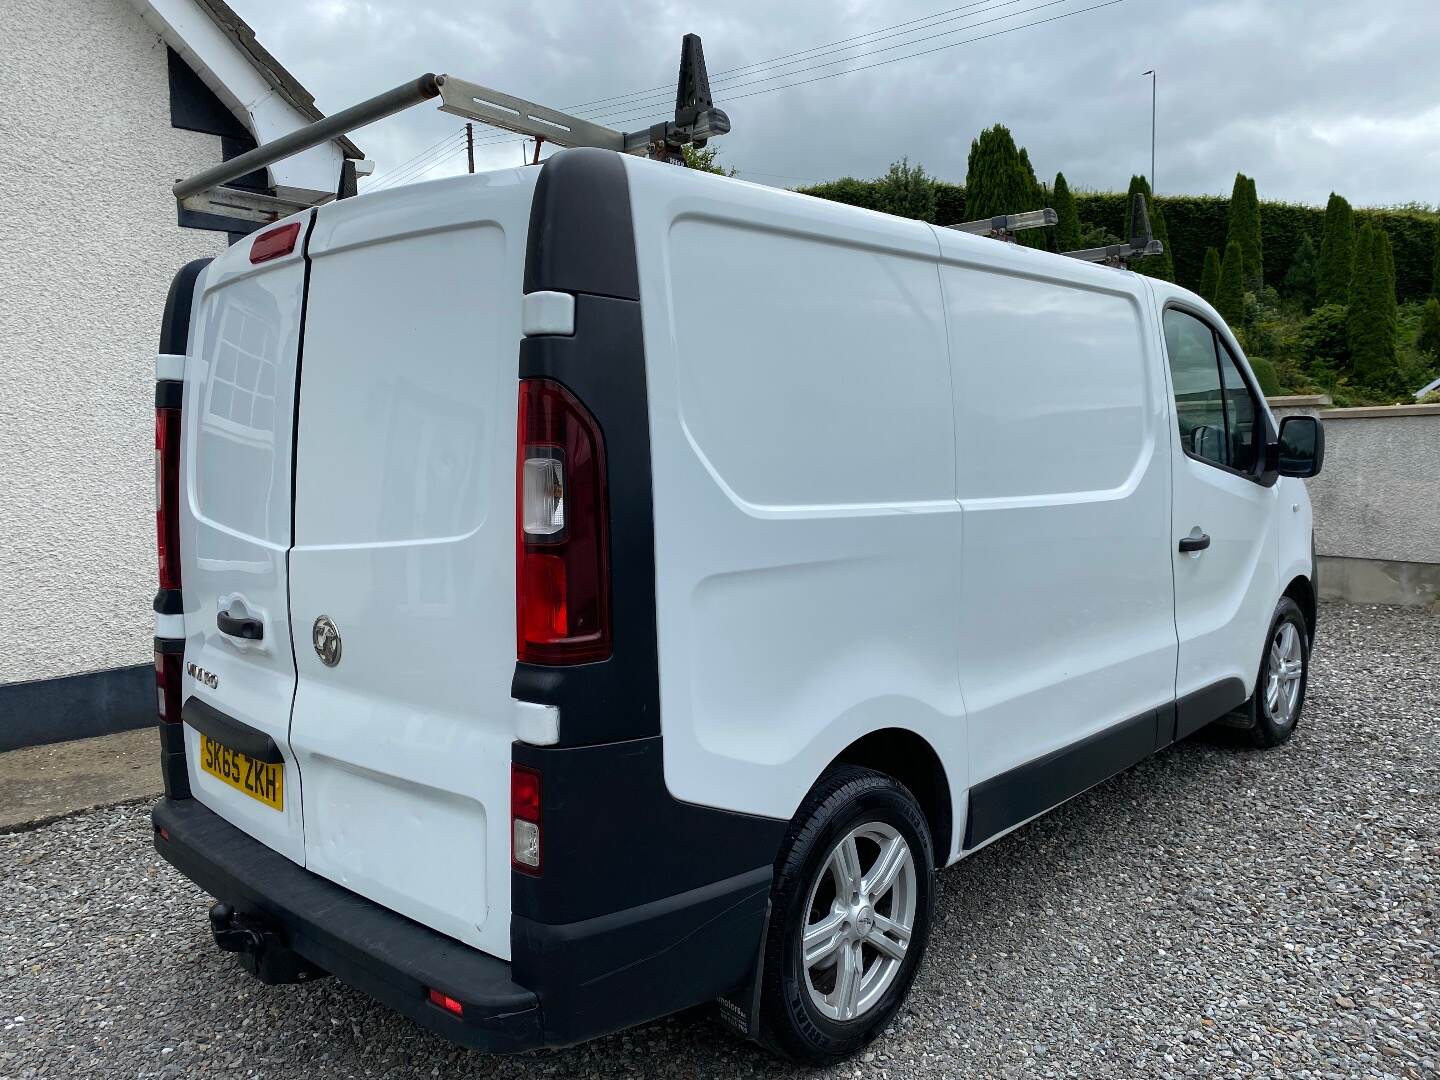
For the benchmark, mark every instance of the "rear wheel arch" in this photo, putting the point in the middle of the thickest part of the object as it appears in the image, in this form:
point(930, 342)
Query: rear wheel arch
point(909, 758)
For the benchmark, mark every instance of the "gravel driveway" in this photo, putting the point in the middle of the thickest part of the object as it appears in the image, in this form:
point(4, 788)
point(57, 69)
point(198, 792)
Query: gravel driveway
point(1215, 911)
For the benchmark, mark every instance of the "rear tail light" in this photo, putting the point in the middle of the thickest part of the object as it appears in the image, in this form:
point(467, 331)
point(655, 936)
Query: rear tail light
point(562, 579)
point(167, 685)
point(167, 494)
point(524, 819)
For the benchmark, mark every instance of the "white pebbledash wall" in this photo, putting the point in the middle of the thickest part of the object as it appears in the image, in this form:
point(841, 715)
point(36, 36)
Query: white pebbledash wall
point(88, 246)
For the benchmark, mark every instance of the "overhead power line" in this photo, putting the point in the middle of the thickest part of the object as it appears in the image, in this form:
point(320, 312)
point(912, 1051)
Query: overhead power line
point(503, 137)
point(619, 113)
point(421, 161)
point(422, 153)
point(614, 120)
point(888, 48)
point(728, 73)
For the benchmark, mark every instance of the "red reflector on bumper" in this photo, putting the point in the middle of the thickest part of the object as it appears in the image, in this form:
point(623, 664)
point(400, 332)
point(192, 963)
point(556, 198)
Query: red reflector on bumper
point(446, 1002)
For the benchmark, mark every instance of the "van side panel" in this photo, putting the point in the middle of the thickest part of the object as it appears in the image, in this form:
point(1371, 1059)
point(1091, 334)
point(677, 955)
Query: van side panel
point(404, 538)
point(805, 519)
point(1066, 608)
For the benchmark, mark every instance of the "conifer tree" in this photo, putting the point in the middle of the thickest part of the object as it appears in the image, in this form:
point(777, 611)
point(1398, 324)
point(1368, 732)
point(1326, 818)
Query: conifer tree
point(1067, 229)
point(995, 180)
point(1303, 273)
point(999, 180)
point(1244, 229)
point(1371, 322)
point(1230, 292)
point(1035, 238)
point(1337, 252)
point(1210, 275)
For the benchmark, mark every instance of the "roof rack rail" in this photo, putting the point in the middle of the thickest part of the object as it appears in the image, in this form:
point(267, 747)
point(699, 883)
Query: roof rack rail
point(1004, 226)
point(1141, 243)
point(695, 122)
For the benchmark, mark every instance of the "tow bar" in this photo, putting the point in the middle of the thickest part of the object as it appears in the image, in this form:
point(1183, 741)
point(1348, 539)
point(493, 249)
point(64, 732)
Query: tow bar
point(261, 950)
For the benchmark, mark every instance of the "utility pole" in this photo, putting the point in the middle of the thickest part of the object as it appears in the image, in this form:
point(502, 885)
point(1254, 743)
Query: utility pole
point(1152, 75)
point(470, 145)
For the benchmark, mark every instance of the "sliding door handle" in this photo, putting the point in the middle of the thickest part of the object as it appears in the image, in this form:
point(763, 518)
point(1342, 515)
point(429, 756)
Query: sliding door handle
point(1191, 544)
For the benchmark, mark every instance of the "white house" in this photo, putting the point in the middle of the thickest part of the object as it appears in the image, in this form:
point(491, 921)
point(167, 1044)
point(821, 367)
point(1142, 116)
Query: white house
point(106, 103)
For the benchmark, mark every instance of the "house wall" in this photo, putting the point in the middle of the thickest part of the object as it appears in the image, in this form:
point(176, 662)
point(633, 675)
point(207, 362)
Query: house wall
point(1377, 516)
point(90, 244)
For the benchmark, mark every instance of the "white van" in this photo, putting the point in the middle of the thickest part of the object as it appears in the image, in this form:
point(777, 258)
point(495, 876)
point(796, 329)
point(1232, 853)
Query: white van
point(597, 589)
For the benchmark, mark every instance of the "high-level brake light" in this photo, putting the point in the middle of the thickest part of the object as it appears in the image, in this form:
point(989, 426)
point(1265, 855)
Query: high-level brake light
point(275, 243)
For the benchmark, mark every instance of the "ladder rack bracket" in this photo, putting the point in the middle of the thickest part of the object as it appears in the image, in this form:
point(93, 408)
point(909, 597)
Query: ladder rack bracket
point(1142, 243)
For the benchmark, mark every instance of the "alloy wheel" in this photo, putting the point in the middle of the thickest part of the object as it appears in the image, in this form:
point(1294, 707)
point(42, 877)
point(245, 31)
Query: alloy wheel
point(1284, 669)
point(859, 919)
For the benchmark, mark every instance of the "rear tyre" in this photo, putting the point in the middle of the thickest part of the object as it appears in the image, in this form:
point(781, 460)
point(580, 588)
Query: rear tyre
point(1274, 709)
point(850, 916)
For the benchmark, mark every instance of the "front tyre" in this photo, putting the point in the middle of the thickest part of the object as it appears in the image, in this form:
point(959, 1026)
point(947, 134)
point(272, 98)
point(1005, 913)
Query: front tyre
point(1274, 708)
point(850, 916)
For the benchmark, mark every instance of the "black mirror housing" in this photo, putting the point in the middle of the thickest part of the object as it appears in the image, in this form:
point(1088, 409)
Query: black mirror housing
point(1300, 448)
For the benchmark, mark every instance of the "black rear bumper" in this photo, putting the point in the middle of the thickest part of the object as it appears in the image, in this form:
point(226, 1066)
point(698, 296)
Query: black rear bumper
point(383, 954)
point(581, 979)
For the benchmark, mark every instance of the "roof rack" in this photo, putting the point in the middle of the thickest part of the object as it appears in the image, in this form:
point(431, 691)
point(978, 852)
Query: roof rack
point(1142, 241)
point(695, 122)
point(1005, 226)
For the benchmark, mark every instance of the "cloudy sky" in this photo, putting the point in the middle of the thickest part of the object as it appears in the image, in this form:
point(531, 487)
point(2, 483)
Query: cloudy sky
point(1307, 96)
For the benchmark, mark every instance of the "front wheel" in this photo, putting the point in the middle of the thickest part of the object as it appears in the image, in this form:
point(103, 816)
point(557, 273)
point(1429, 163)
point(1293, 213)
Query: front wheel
point(850, 916)
point(1274, 709)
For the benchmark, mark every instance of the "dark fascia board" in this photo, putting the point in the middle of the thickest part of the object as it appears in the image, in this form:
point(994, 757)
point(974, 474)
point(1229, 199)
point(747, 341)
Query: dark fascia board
point(285, 84)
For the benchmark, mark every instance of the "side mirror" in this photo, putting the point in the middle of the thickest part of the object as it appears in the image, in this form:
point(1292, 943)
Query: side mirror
point(1208, 441)
point(1300, 448)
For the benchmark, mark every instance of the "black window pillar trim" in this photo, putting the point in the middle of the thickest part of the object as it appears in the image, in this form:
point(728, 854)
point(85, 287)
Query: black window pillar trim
point(169, 394)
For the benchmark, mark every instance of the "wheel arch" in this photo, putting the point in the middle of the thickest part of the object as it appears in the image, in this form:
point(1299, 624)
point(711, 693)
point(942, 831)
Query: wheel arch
point(909, 758)
point(1302, 591)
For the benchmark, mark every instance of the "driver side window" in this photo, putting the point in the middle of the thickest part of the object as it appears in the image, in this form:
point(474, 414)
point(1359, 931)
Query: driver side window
point(1214, 408)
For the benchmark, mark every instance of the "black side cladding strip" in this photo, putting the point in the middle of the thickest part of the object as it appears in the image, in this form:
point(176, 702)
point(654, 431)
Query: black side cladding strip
point(1207, 704)
point(1034, 787)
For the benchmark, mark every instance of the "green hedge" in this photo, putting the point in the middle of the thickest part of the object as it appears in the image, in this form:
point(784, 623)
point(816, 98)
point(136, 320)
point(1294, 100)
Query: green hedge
point(1196, 222)
point(1199, 221)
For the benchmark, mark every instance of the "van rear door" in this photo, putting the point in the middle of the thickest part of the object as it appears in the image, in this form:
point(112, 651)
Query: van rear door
point(405, 545)
point(238, 412)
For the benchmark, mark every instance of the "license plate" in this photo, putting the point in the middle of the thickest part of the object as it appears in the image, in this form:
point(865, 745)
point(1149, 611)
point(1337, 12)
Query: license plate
point(258, 779)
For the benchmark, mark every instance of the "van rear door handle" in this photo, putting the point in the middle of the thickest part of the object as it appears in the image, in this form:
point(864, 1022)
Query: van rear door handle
point(1194, 543)
point(249, 629)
